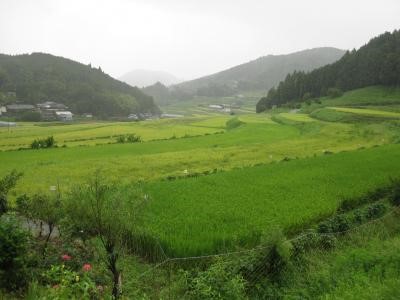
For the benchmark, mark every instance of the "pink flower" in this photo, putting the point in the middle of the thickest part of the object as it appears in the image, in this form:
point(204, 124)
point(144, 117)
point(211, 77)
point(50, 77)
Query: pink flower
point(66, 257)
point(86, 267)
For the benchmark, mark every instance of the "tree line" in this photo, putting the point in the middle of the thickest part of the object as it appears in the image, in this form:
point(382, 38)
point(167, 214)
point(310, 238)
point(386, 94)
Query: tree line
point(376, 63)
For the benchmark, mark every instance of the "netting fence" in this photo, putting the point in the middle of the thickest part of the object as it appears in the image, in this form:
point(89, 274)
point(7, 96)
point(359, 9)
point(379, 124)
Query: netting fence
point(309, 240)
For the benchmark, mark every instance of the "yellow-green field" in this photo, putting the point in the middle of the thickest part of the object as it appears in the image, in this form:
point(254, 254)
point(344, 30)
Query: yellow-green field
point(93, 133)
point(258, 140)
point(368, 112)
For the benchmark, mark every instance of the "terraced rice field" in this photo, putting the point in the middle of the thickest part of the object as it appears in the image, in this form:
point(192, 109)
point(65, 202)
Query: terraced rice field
point(209, 214)
point(368, 112)
point(272, 169)
point(94, 133)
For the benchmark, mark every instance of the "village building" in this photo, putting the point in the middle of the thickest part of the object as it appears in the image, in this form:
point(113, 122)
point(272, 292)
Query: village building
point(221, 107)
point(64, 115)
point(3, 110)
point(133, 117)
point(52, 105)
point(52, 111)
point(13, 109)
point(171, 116)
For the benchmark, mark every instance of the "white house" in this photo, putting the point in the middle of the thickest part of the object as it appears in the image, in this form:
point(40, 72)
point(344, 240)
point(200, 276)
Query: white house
point(64, 115)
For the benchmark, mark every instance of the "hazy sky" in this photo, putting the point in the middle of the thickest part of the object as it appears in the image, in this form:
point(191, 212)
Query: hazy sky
point(187, 38)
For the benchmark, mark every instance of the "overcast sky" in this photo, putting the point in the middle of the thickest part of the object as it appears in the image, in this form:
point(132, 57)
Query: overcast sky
point(187, 38)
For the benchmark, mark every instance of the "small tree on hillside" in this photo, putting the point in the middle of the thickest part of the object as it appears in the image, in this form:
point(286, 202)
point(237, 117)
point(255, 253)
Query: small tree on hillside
point(108, 213)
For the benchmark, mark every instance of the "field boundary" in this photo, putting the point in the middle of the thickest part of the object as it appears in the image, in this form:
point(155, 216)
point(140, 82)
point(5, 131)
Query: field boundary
point(201, 257)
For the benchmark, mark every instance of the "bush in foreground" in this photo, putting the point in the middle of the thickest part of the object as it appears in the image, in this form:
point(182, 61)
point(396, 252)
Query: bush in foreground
point(14, 254)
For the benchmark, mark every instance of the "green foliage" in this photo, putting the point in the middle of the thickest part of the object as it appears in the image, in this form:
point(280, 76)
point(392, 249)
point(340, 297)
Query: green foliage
point(6, 184)
point(42, 77)
point(29, 116)
point(233, 123)
point(14, 254)
point(363, 265)
point(271, 261)
point(334, 93)
point(65, 283)
point(395, 195)
point(132, 138)
point(217, 282)
point(128, 138)
point(121, 139)
point(109, 213)
point(376, 63)
point(44, 143)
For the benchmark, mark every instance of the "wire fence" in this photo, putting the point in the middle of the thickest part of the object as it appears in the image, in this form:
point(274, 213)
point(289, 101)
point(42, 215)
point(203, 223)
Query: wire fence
point(255, 274)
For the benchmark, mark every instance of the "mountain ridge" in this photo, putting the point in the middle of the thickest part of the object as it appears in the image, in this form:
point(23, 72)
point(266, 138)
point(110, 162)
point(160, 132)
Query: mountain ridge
point(256, 74)
point(143, 78)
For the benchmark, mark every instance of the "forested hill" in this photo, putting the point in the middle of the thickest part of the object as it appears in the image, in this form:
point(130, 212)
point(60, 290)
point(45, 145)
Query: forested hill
point(376, 63)
point(259, 74)
point(40, 77)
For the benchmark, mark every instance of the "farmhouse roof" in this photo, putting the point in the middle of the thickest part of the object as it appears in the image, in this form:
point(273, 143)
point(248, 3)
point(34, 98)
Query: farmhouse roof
point(51, 105)
point(19, 107)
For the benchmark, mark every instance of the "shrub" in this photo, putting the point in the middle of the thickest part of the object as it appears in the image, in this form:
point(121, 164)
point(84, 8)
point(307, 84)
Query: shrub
point(129, 138)
point(318, 101)
point(375, 210)
point(70, 284)
point(359, 216)
point(43, 143)
point(218, 282)
point(327, 242)
point(6, 184)
point(304, 242)
point(133, 138)
point(334, 92)
point(395, 194)
point(233, 123)
point(340, 223)
point(120, 139)
point(14, 255)
point(306, 96)
point(49, 142)
point(271, 261)
point(324, 227)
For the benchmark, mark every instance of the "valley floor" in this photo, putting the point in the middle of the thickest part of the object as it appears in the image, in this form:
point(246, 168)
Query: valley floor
point(216, 183)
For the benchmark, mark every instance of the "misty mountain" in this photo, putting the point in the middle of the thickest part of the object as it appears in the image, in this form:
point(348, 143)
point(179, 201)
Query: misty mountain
point(260, 74)
point(143, 78)
point(40, 77)
point(159, 92)
point(376, 63)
